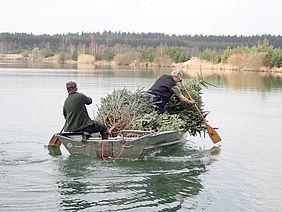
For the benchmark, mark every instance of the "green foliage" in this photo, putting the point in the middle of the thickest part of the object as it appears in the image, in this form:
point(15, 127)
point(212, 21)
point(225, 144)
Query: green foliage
point(226, 54)
point(210, 55)
point(188, 113)
point(38, 54)
point(136, 102)
point(83, 42)
point(159, 122)
point(161, 58)
point(126, 58)
point(74, 55)
point(263, 46)
point(109, 54)
point(178, 55)
point(123, 109)
point(153, 47)
point(148, 55)
point(237, 50)
point(119, 109)
point(47, 53)
point(273, 58)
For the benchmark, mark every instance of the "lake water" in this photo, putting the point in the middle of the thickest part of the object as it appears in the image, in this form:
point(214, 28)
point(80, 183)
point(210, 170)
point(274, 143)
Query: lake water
point(241, 173)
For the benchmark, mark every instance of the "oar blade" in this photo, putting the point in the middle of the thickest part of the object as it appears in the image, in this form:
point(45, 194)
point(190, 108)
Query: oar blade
point(54, 141)
point(211, 131)
point(213, 134)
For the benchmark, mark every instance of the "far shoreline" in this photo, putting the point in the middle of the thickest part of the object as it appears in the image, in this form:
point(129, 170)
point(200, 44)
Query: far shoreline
point(194, 63)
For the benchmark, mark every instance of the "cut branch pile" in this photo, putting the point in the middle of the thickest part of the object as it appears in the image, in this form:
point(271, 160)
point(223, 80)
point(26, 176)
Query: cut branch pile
point(119, 109)
point(126, 110)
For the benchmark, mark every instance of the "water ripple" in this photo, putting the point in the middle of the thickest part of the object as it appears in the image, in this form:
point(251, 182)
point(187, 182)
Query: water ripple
point(154, 184)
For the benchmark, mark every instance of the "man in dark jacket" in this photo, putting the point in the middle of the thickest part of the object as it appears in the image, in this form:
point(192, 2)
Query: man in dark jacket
point(165, 87)
point(76, 115)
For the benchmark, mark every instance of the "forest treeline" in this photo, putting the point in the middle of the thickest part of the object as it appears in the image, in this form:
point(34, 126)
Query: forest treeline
point(17, 42)
point(121, 45)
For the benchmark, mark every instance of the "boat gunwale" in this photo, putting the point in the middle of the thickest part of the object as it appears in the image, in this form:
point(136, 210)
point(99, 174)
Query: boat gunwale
point(122, 138)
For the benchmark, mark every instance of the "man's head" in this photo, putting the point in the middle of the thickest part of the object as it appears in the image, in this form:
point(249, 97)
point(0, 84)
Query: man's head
point(71, 86)
point(176, 75)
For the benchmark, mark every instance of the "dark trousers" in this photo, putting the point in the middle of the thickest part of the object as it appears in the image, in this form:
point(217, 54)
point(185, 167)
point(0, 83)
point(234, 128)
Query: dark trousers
point(97, 127)
point(160, 107)
point(157, 101)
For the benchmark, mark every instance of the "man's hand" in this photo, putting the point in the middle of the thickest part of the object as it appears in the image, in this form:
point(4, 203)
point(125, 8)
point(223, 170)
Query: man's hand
point(192, 101)
point(186, 100)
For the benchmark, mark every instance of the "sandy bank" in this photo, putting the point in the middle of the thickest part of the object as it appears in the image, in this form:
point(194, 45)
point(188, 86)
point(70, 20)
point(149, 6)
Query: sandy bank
point(194, 64)
point(197, 65)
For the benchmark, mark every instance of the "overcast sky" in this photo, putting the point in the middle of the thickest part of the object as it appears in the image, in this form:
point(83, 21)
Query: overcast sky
point(179, 17)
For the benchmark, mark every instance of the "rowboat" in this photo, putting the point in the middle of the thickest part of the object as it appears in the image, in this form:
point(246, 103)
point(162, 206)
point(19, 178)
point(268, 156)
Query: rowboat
point(131, 144)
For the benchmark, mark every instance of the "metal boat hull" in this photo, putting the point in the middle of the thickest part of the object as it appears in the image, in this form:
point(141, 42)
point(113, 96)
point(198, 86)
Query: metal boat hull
point(120, 147)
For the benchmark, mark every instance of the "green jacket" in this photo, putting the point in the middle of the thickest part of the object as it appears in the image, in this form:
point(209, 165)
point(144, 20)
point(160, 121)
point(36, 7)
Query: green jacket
point(75, 112)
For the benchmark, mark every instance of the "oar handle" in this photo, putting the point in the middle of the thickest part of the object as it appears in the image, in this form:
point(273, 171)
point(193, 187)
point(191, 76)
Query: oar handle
point(184, 88)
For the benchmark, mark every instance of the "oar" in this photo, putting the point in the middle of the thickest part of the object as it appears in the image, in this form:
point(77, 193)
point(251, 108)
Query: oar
point(54, 141)
point(211, 131)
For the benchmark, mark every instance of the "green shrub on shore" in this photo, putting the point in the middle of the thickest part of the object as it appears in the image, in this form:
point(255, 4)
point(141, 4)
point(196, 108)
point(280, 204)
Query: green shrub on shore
point(126, 58)
point(74, 55)
point(211, 56)
point(273, 58)
point(108, 55)
point(227, 53)
point(261, 54)
point(178, 55)
point(148, 55)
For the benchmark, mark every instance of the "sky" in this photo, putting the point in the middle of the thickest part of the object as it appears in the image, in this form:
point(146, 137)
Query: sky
point(179, 17)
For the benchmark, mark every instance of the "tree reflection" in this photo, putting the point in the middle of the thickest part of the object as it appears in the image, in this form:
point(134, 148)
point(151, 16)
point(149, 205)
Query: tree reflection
point(261, 81)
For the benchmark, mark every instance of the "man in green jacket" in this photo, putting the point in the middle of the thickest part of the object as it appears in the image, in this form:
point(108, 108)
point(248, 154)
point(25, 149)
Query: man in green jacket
point(76, 115)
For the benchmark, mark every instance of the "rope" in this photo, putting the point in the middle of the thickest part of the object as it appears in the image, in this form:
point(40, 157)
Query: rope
point(122, 148)
point(102, 150)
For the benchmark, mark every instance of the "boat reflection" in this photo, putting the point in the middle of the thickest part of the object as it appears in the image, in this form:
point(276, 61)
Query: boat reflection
point(159, 182)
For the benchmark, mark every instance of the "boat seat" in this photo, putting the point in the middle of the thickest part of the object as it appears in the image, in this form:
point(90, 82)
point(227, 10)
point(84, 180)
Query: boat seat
point(74, 133)
point(85, 135)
